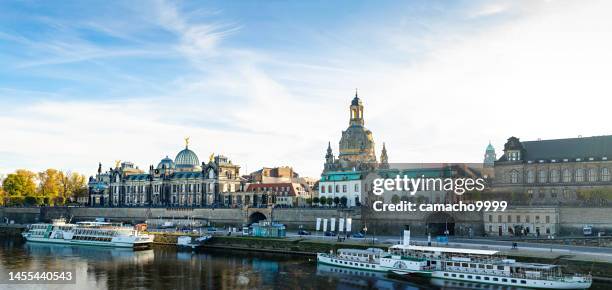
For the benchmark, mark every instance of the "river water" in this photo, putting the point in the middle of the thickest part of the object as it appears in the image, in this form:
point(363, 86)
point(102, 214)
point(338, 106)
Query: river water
point(166, 268)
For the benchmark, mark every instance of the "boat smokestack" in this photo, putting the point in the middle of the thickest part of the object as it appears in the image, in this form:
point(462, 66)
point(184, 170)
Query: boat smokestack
point(406, 235)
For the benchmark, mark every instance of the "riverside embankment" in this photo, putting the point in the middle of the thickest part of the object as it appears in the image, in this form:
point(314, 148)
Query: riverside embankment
point(601, 271)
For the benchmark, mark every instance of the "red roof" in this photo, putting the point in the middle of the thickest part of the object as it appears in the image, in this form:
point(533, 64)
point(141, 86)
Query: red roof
point(279, 188)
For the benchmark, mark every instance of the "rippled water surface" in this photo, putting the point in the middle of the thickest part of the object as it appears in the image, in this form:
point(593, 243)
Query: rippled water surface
point(167, 268)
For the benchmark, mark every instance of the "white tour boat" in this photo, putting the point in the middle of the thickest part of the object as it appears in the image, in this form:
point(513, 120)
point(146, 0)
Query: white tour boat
point(468, 265)
point(368, 259)
point(480, 266)
point(87, 233)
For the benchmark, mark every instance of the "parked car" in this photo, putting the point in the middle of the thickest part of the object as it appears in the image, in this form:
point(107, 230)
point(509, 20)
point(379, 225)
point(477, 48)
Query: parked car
point(358, 235)
point(303, 233)
point(330, 234)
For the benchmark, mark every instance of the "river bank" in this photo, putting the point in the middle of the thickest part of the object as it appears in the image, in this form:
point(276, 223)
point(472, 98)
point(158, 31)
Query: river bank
point(601, 270)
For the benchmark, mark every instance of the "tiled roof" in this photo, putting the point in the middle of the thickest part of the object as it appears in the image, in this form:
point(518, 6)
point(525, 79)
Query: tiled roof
point(570, 148)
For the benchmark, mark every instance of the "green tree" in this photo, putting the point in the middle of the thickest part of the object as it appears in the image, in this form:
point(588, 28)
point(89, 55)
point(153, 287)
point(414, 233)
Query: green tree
point(343, 201)
point(323, 200)
point(315, 200)
point(336, 200)
point(18, 185)
point(330, 201)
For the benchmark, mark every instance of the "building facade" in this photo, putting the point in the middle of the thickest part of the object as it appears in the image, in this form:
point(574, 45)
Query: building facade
point(183, 181)
point(556, 171)
point(345, 176)
point(289, 194)
point(523, 221)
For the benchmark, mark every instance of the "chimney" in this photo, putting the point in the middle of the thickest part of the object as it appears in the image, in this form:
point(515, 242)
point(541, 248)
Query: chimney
point(406, 235)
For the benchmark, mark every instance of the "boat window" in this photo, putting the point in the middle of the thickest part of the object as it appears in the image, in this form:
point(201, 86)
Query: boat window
point(465, 265)
point(504, 280)
point(470, 277)
point(523, 282)
point(477, 277)
point(446, 274)
point(486, 278)
point(490, 267)
point(481, 266)
point(495, 279)
point(457, 264)
point(472, 265)
point(454, 275)
point(513, 281)
point(461, 276)
point(500, 267)
point(449, 264)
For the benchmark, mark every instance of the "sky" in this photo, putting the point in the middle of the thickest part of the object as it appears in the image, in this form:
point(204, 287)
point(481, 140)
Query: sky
point(269, 83)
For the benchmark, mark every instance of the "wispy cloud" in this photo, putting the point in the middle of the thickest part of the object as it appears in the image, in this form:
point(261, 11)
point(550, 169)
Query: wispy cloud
point(438, 83)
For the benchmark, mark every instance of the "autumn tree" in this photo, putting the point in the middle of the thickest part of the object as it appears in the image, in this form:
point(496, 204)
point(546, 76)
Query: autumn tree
point(49, 187)
point(74, 185)
point(19, 185)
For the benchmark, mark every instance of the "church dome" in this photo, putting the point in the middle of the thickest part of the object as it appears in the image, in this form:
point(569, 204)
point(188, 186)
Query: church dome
point(186, 158)
point(165, 163)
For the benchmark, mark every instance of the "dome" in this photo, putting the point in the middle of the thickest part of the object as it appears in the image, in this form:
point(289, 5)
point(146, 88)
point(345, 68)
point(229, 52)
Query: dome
point(167, 162)
point(356, 101)
point(186, 158)
point(490, 147)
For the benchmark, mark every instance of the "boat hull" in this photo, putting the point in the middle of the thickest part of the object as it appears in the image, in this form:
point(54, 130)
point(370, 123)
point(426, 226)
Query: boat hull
point(139, 244)
point(506, 281)
point(328, 260)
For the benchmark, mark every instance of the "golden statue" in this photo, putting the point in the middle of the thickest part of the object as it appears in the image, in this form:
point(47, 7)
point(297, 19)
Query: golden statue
point(117, 162)
point(212, 157)
point(186, 142)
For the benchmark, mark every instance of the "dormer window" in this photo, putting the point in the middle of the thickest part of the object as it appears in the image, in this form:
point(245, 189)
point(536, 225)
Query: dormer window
point(553, 160)
point(604, 158)
point(578, 159)
point(591, 158)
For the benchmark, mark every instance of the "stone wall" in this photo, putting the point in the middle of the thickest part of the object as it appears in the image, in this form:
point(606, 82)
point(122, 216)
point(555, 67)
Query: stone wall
point(392, 223)
point(573, 219)
point(293, 218)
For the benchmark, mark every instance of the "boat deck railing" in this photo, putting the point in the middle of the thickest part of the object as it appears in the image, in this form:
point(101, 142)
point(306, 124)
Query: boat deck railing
point(542, 276)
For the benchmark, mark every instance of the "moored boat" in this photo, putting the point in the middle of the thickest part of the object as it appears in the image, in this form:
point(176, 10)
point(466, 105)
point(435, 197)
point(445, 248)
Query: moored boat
point(368, 259)
point(467, 265)
point(479, 266)
point(95, 233)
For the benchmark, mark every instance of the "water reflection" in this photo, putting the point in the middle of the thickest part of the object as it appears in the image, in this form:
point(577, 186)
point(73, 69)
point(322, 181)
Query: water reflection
point(166, 268)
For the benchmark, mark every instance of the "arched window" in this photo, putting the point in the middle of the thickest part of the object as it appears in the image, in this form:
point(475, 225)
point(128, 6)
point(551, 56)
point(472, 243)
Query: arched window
point(579, 175)
point(543, 176)
point(592, 175)
point(567, 175)
point(554, 175)
point(514, 176)
point(605, 174)
point(530, 176)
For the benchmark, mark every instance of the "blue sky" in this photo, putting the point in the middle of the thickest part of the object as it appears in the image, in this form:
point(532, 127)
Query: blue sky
point(269, 82)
